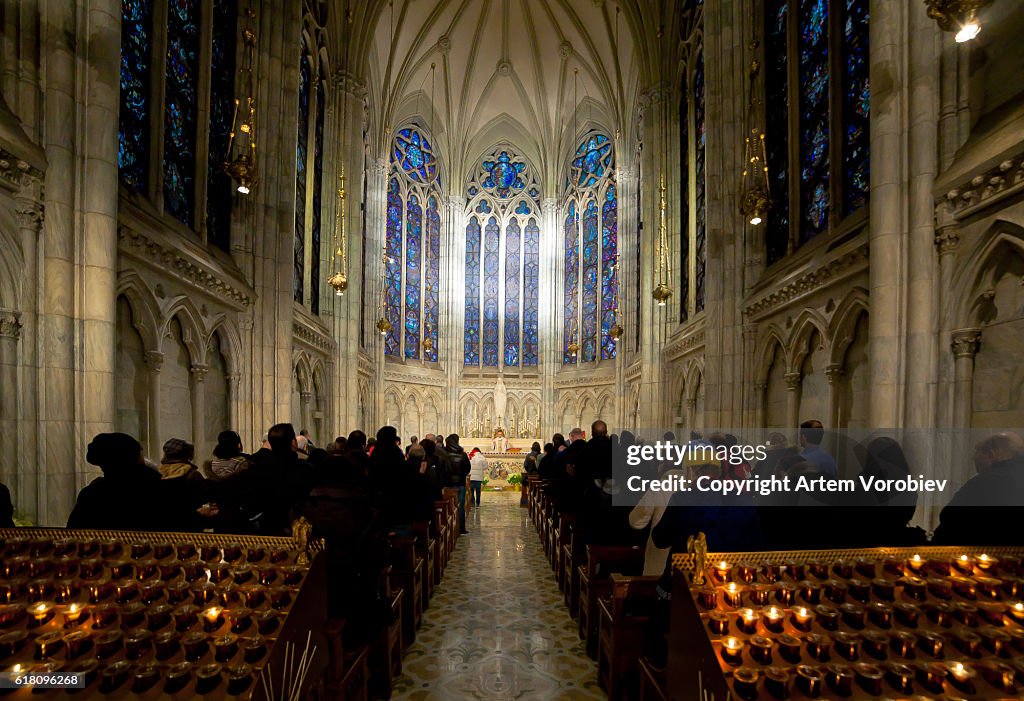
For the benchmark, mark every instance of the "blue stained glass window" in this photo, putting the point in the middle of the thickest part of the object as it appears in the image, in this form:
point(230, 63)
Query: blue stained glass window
point(181, 103)
point(133, 118)
point(318, 177)
point(471, 344)
point(415, 156)
point(393, 268)
point(222, 112)
point(684, 200)
point(413, 273)
point(777, 128)
point(592, 160)
point(512, 248)
point(301, 156)
point(572, 278)
point(431, 290)
point(609, 272)
point(588, 310)
point(492, 242)
point(814, 117)
point(531, 293)
point(523, 208)
point(504, 175)
point(700, 220)
point(856, 105)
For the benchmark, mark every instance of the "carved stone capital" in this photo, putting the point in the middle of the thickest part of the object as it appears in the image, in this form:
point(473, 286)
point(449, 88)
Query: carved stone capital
point(154, 360)
point(833, 373)
point(306, 397)
point(16, 173)
point(456, 203)
point(793, 380)
point(347, 83)
point(760, 388)
point(30, 213)
point(234, 379)
point(199, 372)
point(548, 204)
point(10, 325)
point(947, 240)
point(965, 343)
point(380, 167)
point(691, 403)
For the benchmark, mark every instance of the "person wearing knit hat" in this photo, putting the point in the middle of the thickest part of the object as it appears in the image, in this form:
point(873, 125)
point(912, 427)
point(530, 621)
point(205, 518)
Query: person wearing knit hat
point(228, 459)
point(177, 460)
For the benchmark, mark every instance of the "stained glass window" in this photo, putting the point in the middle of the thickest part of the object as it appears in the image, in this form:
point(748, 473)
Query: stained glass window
point(301, 156)
point(572, 277)
point(393, 267)
point(588, 335)
point(492, 245)
point(700, 235)
point(503, 175)
point(777, 129)
point(684, 200)
point(531, 293)
point(431, 290)
point(609, 271)
point(415, 156)
point(413, 255)
point(133, 119)
point(181, 86)
point(512, 249)
point(318, 177)
point(222, 112)
point(593, 159)
point(856, 105)
point(471, 344)
point(814, 117)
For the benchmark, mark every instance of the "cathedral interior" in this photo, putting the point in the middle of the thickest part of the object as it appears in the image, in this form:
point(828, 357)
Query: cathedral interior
point(222, 214)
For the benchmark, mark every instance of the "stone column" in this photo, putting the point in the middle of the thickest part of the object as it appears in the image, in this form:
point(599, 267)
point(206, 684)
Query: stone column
point(10, 332)
point(550, 316)
point(760, 398)
point(965, 344)
point(833, 374)
point(30, 445)
point(793, 381)
point(199, 406)
point(691, 417)
point(305, 411)
point(234, 399)
point(154, 362)
point(453, 318)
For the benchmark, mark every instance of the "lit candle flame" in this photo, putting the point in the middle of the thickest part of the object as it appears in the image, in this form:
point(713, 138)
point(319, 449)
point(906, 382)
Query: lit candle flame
point(801, 611)
point(1018, 606)
point(723, 565)
point(773, 612)
point(732, 586)
point(73, 608)
point(963, 558)
point(16, 669)
point(917, 558)
point(213, 612)
point(983, 557)
point(732, 643)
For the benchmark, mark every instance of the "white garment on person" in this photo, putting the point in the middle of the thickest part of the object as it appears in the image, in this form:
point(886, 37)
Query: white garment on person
point(649, 510)
point(477, 468)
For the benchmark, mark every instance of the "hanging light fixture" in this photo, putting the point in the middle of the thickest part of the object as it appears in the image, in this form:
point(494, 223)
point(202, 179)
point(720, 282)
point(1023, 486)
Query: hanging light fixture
point(960, 16)
point(384, 324)
point(574, 344)
point(616, 330)
point(663, 272)
point(755, 200)
point(240, 160)
point(339, 278)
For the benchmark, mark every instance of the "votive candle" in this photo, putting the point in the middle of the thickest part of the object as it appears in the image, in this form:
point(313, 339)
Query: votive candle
point(732, 650)
point(802, 618)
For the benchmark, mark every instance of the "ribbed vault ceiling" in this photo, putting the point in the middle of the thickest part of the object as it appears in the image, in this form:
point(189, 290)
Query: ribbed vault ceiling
point(504, 71)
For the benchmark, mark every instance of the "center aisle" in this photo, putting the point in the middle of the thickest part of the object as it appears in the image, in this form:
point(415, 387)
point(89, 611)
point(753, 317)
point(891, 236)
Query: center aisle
point(497, 628)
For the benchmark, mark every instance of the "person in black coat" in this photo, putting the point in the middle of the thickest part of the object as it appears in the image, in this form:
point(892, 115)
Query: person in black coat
point(275, 482)
point(6, 507)
point(989, 508)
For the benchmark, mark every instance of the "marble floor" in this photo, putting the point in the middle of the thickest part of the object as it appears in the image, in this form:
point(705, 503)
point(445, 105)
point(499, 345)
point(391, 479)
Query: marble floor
point(497, 628)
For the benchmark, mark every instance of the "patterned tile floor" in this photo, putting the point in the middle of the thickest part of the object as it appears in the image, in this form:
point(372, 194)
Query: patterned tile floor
point(497, 628)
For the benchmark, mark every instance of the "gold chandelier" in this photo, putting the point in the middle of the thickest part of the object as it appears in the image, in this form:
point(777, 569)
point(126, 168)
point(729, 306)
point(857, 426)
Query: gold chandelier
point(339, 278)
point(384, 325)
point(616, 330)
point(663, 272)
point(960, 16)
point(240, 163)
point(755, 200)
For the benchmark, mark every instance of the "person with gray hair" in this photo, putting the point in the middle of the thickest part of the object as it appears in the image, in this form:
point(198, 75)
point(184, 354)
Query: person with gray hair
point(989, 508)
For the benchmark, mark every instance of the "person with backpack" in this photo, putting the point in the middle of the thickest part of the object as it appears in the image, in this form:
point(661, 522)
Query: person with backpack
point(458, 471)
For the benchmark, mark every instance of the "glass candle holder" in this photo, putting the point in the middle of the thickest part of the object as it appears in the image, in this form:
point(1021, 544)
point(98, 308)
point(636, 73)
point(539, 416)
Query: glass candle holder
point(785, 593)
point(12, 589)
point(65, 567)
point(880, 614)
point(39, 568)
point(151, 592)
point(110, 549)
point(12, 642)
point(839, 679)
point(916, 564)
point(915, 588)
point(884, 589)
point(732, 594)
point(963, 564)
point(707, 598)
point(866, 568)
point(732, 650)
point(931, 676)
point(722, 570)
point(747, 572)
point(267, 622)
point(146, 569)
point(795, 570)
point(10, 614)
point(859, 590)
point(810, 592)
point(939, 613)
point(931, 644)
point(122, 569)
point(169, 570)
point(266, 575)
point(14, 566)
point(988, 587)
point(1015, 611)
point(827, 617)
point(185, 551)
point(835, 591)
point(40, 613)
point(940, 588)
point(232, 552)
point(77, 643)
point(177, 592)
point(744, 682)
point(145, 678)
point(966, 613)
point(280, 555)
point(967, 642)
point(900, 677)
point(239, 679)
point(253, 596)
point(761, 649)
point(894, 567)
point(159, 616)
point(280, 598)
point(853, 615)
point(125, 590)
point(777, 682)
point(48, 644)
point(114, 675)
point(220, 573)
point(241, 619)
point(808, 681)
point(133, 614)
point(907, 615)
point(178, 677)
point(185, 617)
point(771, 572)
point(869, 678)
point(254, 555)
point(758, 594)
point(105, 615)
point(74, 614)
point(141, 549)
point(992, 613)
point(964, 588)
point(204, 593)
point(747, 620)
point(207, 678)
point(229, 594)
point(801, 618)
point(819, 647)
point(773, 619)
point(137, 643)
point(64, 547)
point(209, 553)
point(718, 623)
point(875, 643)
point(902, 644)
point(1000, 675)
point(213, 618)
point(193, 571)
point(253, 649)
point(163, 550)
point(40, 590)
point(90, 568)
point(789, 647)
point(225, 647)
point(1017, 641)
point(995, 640)
point(818, 569)
point(961, 676)
point(846, 645)
point(108, 643)
point(195, 646)
point(166, 645)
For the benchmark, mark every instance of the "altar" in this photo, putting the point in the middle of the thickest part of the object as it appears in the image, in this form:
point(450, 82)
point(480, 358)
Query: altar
point(501, 466)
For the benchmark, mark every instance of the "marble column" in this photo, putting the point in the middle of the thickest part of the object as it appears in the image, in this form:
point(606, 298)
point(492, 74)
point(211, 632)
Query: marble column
point(30, 445)
point(793, 382)
point(305, 411)
point(453, 321)
point(550, 316)
point(964, 344)
point(199, 405)
point(833, 374)
point(154, 362)
point(10, 332)
point(234, 383)
point(947, 244)
point(760, 398)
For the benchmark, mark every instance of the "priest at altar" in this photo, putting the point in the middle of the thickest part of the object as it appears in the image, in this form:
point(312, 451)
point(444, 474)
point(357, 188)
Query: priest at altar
point(499, 443)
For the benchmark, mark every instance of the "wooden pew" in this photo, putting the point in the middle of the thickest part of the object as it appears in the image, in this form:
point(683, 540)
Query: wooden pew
point(407, 572)
point(426, 548)
point(439, 532)
point(573, 552)
point(601, 561)
point(386, 653)
point(652, 683)
point(623, 618)
point(566, 524)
